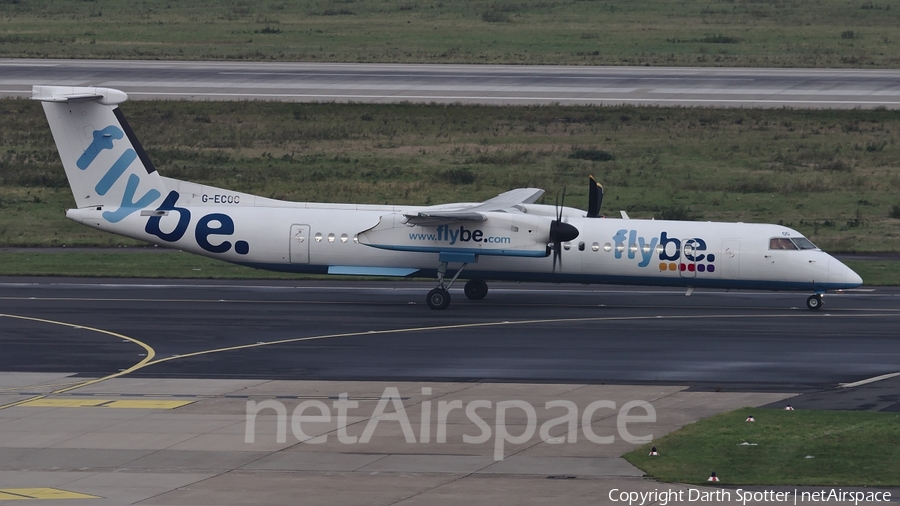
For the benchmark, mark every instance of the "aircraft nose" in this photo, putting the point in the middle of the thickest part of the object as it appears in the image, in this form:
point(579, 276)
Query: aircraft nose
point(853, 278)
point(840, 273)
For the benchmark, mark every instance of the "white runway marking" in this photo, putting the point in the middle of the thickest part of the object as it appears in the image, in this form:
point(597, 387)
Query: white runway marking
point(462, 98)
point(869, 380)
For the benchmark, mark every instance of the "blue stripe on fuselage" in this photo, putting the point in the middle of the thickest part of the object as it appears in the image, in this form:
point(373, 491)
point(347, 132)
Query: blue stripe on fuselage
point(549, 277)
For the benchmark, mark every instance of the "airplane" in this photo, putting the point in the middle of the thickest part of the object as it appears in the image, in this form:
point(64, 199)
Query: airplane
point(509, 237)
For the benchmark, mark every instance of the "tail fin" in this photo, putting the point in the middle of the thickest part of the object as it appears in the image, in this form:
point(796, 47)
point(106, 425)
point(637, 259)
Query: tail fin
point(105, 164)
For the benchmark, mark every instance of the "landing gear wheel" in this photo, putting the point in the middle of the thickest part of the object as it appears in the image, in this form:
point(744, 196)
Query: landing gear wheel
point(814, 302)
point(438, 298)
point(476, 289)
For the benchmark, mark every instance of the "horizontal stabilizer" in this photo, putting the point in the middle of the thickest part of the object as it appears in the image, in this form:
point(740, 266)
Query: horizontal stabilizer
point(105, 96)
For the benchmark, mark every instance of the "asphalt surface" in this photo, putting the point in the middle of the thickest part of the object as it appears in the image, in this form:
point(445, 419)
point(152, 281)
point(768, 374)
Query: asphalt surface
point(342, 330)
point(477, 84)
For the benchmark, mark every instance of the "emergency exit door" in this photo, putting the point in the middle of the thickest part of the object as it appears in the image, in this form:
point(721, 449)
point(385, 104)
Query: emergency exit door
point(299, 244)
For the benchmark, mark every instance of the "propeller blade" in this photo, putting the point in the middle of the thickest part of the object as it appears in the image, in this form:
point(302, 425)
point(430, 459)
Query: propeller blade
point(595, 198)
point(556, 206)
point(562, 202)
point(560, 231)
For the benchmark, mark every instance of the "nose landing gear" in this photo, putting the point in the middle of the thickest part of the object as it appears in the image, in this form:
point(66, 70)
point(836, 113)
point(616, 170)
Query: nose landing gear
point(814, 302)
point(439, 298)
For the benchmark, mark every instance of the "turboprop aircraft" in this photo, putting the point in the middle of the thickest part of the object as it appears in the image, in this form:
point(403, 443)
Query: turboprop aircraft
point(509, 237)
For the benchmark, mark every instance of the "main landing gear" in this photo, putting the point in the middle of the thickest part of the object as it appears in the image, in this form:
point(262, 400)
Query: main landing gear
point(814, 302)
point(476, 289)
point(439, 298)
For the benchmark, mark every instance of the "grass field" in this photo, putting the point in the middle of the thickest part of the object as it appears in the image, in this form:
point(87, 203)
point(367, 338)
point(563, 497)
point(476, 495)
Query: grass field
point(843, 448)
point(833, 175)
point(877, 272)
point(772, 33)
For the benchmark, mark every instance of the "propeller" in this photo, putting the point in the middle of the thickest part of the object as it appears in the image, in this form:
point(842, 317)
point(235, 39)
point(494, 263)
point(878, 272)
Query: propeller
point(595, 198)
point(560, 232)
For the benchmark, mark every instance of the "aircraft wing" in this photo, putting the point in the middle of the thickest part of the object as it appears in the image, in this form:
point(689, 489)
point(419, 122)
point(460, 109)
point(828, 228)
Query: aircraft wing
point(505, 202)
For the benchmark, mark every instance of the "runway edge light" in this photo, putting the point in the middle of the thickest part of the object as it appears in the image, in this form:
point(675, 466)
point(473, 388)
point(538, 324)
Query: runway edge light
point(653, 452)
point(713, 477)
point(789, 408)
point(751, 419)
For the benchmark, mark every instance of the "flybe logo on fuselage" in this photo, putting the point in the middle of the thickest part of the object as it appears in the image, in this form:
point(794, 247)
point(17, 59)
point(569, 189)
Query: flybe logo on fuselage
point(208, 226)
point(671, 252)
point(444, 233)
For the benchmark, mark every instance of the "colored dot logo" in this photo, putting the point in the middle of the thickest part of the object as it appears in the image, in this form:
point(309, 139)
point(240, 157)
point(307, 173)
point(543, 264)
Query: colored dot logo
point(672, 266)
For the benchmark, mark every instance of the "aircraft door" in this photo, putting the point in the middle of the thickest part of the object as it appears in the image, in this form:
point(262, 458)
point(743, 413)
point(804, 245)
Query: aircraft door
point(687, 259)
point(730, 259)
point(300, 244)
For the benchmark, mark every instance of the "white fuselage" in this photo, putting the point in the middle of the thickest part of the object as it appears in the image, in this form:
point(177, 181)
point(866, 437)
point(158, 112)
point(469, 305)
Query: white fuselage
point(116, 188)
point(323, 238)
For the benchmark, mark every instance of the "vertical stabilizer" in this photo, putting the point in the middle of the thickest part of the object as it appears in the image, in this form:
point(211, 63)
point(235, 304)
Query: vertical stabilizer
point(104, 162)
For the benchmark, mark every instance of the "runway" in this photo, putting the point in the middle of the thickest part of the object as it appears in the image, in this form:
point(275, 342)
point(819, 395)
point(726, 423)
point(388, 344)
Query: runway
point(350, 330)
point(117, 391)
point(473, 84)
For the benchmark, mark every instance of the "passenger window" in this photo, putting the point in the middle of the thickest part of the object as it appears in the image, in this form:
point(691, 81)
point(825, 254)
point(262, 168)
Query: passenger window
point(781, 243)
point(581, 246)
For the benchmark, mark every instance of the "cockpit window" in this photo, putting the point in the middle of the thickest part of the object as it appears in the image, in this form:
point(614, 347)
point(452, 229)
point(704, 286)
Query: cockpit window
point(781, 243)
point(794, 243)
point(803, 243)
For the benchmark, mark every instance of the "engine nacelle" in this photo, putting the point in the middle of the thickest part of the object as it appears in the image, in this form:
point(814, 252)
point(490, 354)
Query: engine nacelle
point(502, 234)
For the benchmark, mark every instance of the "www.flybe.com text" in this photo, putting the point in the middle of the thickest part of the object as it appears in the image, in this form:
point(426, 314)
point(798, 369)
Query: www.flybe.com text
point(451, 235)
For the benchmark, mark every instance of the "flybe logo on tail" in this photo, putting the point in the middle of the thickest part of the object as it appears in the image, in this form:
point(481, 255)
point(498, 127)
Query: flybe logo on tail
point(103, 139)
point(672, 253)
point(209, 230)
